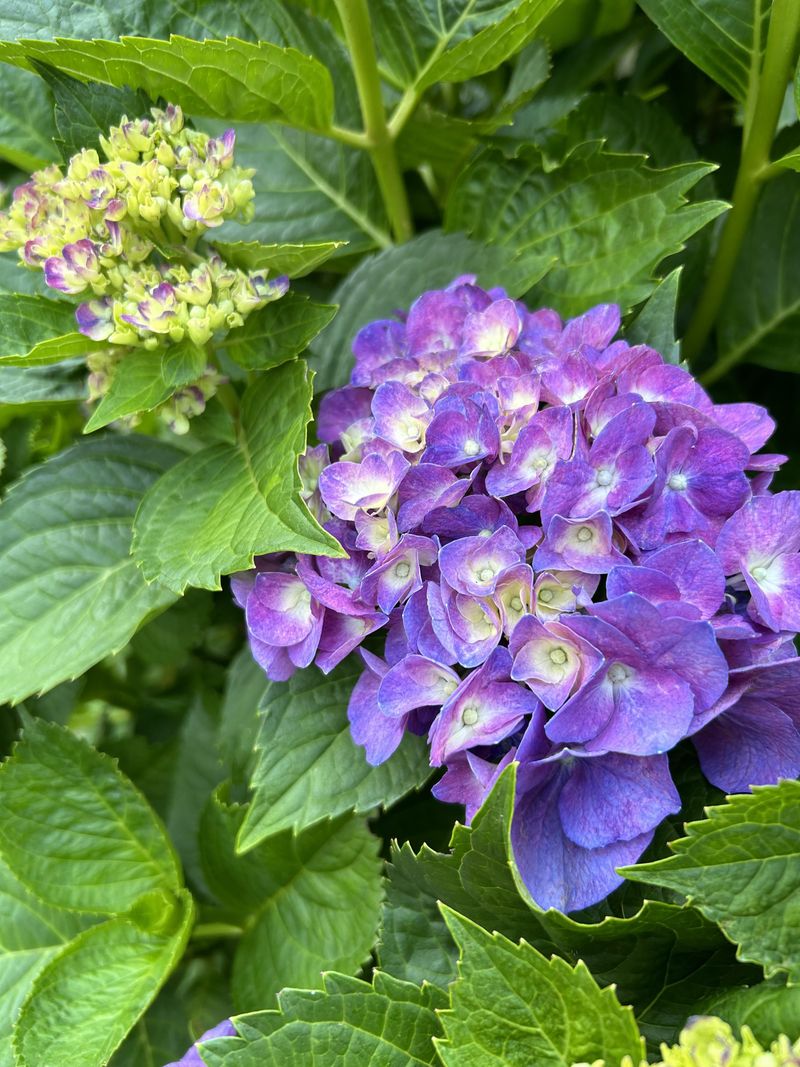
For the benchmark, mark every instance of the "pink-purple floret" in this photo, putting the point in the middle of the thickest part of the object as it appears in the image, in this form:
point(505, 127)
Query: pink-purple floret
point(576, 561)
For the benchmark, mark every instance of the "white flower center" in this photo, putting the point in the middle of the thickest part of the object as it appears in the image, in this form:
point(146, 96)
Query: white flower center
point(546, 595)
point(558, 656)
point(515, 604)
point(471, 448)
point(584, 534)
point(403, 569)
point(617, 673)
point(486, 574)
point(678, 482)
point(603, 477)
point(469, 716)
point(759, 573)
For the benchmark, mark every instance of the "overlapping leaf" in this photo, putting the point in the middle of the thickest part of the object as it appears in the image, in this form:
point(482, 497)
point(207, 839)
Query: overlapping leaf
point(323, 885)
point(607, 218)
point(69, 592)
point(35, 331)
point(512, 1007)
point(725, 38)
point(229, 79)
point(351, 1023)
point(310, 769)
point(26, 121)
point(741, 868)
point(218, 508)
point(278, 332)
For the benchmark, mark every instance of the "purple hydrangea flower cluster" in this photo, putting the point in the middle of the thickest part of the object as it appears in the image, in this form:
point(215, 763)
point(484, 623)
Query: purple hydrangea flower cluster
point(577, 563)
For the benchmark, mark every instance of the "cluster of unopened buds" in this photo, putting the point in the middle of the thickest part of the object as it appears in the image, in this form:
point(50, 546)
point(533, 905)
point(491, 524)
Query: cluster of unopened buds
point(576, 560)
point(123, 234)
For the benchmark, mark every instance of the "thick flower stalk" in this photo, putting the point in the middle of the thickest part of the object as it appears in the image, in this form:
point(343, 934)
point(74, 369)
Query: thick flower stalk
point(123, 236)
point(575, 560)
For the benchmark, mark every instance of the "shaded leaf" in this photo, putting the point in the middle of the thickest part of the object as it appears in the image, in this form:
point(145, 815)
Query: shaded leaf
point(57, 384)
point(294, 260)
point(654, 324)
point(310, 769)
point(607, 218)
point(322, 886)
point(26, 121)
point(725, 38)
point(768, 1008)
point(35, 330)
point(218, 508)
point(741, 868)
point(75, 511)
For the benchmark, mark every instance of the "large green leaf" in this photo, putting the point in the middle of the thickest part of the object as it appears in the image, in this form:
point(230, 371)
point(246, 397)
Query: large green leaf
point(218, 508)
point(760, 318)
point(246, 686)
point(654, 324)
point(607, 218)
point(430, 261)
point(725, 38)
point(229, 79)
point(310, 769)
point(64, 383)
point(389, 1023)
point(143, 379)
point(31, 933)
point(35, 330)
point(741, 868)
point(513, 1007)
point(75, 512)
point(664, 959)
point(92, 18)
point(768, 1008)
point(425, 41)
point(308, 184)
point(85, 1000)
point(322, 887)
point(26, 121)
point(75, 830)
point(278, 332)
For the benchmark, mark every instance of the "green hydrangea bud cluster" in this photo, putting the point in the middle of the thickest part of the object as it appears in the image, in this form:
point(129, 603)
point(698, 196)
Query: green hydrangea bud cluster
point(124, 235)
point(709, 1042)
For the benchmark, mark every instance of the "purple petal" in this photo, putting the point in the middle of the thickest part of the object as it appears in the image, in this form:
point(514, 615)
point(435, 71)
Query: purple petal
point(754, 743)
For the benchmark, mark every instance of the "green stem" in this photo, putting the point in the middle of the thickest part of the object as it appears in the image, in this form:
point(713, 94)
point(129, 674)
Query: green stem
point(358, 33)
point(759, 134)
point(215, 931)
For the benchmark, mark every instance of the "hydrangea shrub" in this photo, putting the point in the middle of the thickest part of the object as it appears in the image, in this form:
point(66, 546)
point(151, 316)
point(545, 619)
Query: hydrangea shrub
point(399, 537)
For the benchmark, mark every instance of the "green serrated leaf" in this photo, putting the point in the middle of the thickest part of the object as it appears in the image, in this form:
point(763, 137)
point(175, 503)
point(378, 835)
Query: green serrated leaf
point(85, 1001)
point(308, 184)
point(351, 1024)
point(213, 512)
point(513, 1007)
point(75, 830)
point(26, 121)
point(741, 868)
point(60, 384)
point(31, 933)
point(310, 769)
point(427, 262)
point(761, 313)
point(76, 512)
point(85, 111)
point(279, 886)
point(35, 330)
point(654, 324)
point(278, 332)
point(664, 959)
point(292, 259)
point(422, 41)
point(724, 38)
point(229, 79)
point(607, 218)
point(143, 379)
point(246, 687)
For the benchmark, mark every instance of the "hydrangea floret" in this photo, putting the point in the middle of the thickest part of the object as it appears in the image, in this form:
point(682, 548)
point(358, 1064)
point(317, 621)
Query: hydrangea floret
point(560, 551)
point(707, 1041)
point(123, 236)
